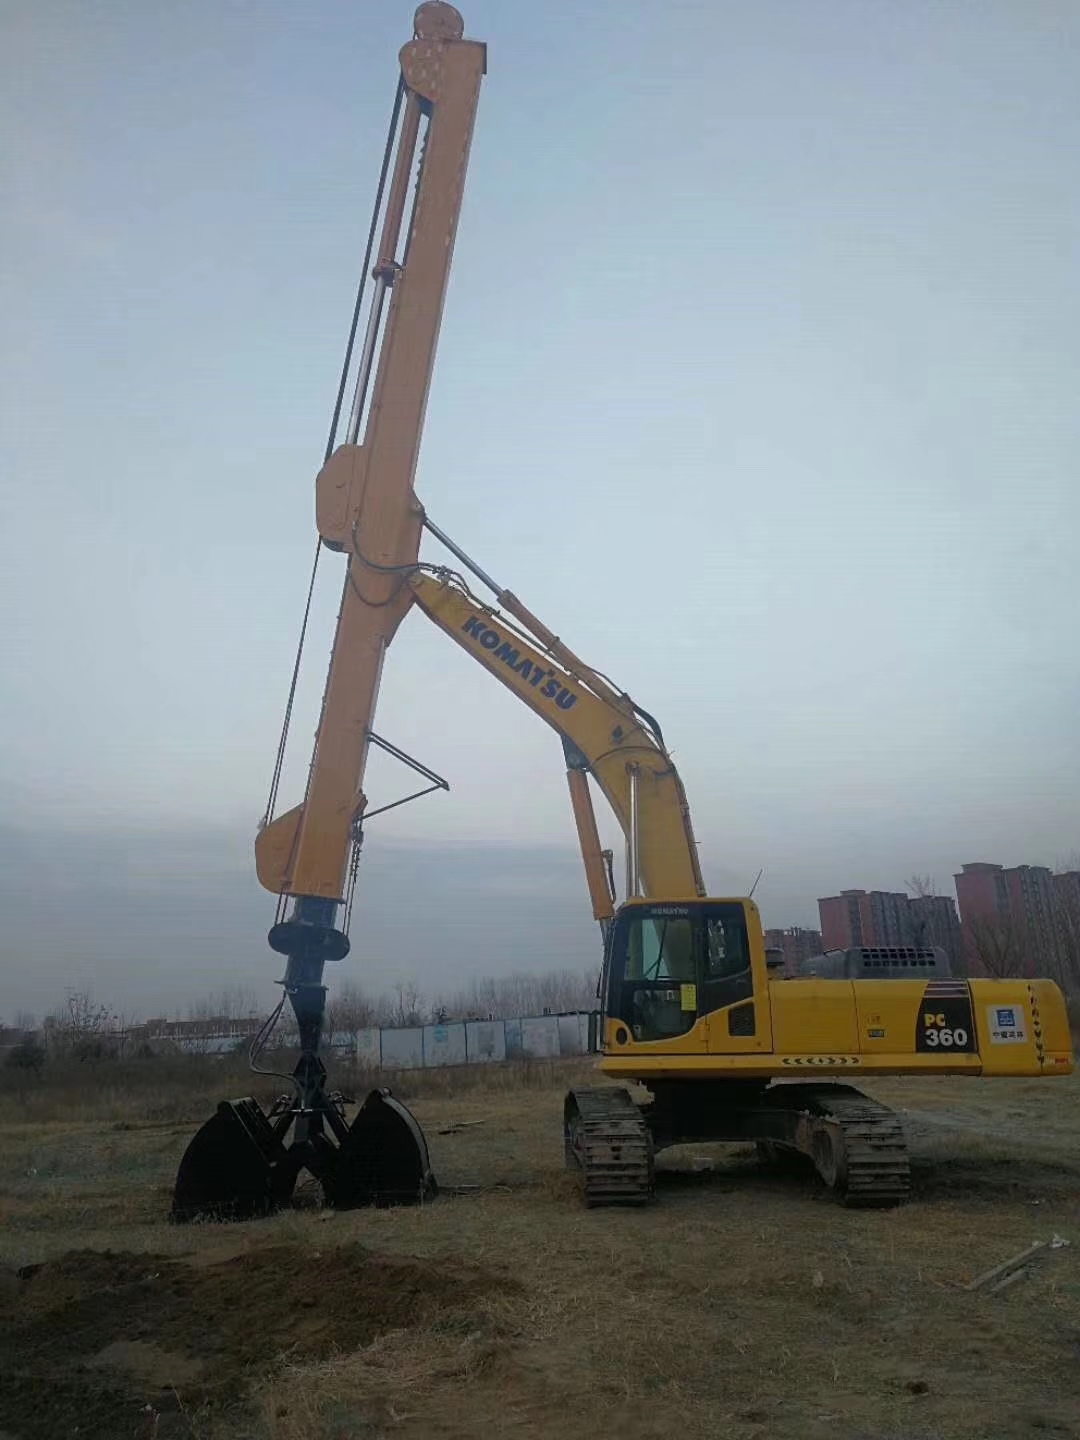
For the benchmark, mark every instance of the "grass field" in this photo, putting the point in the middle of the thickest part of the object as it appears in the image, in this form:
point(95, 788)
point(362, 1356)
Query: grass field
point(740, 1305)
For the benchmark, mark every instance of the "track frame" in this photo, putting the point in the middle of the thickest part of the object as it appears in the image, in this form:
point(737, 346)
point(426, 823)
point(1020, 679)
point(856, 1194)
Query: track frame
point(855, 1143)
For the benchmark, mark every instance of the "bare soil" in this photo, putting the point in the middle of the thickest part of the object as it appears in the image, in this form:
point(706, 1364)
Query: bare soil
point(743, 1304)
point(109, 1344)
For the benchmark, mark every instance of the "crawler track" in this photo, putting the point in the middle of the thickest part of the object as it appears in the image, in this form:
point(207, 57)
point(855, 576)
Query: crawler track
point(607, 1140)
point(856, 1143)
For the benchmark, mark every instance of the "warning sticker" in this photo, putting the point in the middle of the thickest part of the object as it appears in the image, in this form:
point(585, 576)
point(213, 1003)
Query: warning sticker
point(1006, 1024)
point(688, 997)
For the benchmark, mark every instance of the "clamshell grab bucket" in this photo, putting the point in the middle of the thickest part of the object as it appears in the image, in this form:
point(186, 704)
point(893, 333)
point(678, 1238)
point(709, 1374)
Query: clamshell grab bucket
point(238, 1165)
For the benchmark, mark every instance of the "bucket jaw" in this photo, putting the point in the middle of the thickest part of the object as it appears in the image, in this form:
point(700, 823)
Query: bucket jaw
point(235, 1167)
point(238, 1166)
point(383, 1159)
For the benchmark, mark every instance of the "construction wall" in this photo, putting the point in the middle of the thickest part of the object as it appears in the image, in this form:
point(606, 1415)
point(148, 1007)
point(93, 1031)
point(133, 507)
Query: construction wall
point(467, 1042)
point(415, 1047)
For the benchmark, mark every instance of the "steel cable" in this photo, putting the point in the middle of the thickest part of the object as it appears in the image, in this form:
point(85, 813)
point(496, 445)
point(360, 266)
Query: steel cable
point(330, 442)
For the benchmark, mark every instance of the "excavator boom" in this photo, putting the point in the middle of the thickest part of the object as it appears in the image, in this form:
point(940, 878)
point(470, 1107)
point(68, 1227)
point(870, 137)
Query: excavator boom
point(602, 730)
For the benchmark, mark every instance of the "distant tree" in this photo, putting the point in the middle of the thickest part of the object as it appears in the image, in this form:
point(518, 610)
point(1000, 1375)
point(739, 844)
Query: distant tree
point(236, 1002)
point(923, 887)
point(27, 1055)
point(347, 1009)
point(407, 1006)
point(997, 946)
point(507, 996)
point(1067, 927)
point(83, 1029)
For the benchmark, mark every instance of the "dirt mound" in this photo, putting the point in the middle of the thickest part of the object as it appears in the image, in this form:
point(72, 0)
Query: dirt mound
point(115, 1345)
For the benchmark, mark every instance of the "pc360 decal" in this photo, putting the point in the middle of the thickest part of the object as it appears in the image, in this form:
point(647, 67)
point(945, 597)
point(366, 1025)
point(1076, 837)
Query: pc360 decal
point(945, 1021)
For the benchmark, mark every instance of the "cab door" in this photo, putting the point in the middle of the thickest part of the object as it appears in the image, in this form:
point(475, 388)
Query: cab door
point(738, 1020)
point(659, 996)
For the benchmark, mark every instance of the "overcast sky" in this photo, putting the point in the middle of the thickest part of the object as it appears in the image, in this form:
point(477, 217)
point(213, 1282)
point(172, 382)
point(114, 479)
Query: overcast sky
point(758, 382)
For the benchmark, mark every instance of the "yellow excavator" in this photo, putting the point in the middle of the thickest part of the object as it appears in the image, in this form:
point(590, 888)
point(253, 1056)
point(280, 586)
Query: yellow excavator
point(725, 1048)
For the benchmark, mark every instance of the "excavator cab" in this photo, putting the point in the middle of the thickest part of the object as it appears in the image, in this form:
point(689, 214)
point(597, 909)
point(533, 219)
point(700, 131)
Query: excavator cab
point(668, 966)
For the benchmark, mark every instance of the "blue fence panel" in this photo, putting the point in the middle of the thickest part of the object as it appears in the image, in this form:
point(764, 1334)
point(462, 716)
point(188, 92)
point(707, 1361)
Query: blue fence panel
point(540, 1036)
point(485, 1041)
point(403, 1049)
point(445, 1044)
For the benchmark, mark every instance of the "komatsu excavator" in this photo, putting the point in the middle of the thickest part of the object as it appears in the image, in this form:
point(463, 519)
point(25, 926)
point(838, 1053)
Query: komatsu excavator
point(725, 1049)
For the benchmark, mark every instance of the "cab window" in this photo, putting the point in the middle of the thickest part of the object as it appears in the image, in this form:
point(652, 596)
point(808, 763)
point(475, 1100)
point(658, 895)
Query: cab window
point(727, 951)
point(660, 948)
point(658, 997)
point(728, 978)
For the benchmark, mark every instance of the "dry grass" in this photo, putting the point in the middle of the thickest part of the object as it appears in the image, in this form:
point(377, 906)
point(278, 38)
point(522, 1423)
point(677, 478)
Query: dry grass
point(186, 1088)
point(740, 1305)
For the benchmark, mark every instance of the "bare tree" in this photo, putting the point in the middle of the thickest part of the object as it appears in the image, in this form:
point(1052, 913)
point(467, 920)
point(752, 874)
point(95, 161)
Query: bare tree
point(27, 1056)
point(407, 1004)
point(236, 1002)
point(507, 996)
point(997, 946)
point(1066, 919)
point(347, 1009)
point(923, 887)
point(83, 1029)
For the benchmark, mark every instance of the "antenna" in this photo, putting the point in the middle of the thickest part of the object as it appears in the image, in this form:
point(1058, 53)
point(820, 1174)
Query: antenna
point(753, 887)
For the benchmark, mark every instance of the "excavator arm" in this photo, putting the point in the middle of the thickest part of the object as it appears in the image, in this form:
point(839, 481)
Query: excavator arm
point(603, 732)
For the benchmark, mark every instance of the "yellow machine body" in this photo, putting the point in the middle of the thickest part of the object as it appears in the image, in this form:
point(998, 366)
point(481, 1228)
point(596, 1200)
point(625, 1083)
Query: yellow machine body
point(801, 1027)
point(804, 1026)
